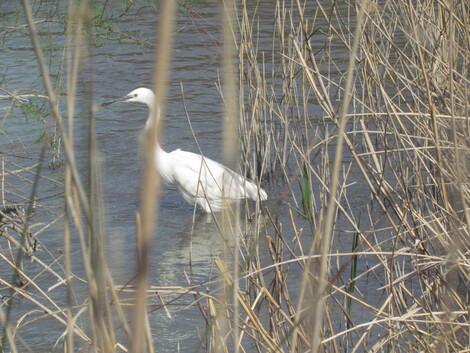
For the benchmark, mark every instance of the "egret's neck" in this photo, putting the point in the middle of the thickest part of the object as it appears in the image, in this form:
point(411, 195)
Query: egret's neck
point(151, 106)
point(160, 151)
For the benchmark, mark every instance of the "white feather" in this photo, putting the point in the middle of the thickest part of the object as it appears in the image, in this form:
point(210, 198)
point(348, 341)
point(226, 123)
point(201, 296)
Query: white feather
point(199, 180)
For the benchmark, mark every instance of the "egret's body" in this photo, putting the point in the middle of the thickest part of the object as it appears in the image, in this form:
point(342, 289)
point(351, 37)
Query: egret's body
point(199, 180)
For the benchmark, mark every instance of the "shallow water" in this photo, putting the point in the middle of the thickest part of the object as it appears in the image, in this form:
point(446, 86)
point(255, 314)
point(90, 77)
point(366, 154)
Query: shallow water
point(116, 70)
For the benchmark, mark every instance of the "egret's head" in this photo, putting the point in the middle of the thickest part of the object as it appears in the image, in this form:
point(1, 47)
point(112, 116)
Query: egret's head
point(139, 95)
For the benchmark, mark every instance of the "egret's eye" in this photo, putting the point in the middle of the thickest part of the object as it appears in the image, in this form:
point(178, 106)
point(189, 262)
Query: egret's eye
point(135, 95)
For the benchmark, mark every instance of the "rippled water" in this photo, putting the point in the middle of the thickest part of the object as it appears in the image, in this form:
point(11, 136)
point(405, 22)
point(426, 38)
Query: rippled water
point(116, 70)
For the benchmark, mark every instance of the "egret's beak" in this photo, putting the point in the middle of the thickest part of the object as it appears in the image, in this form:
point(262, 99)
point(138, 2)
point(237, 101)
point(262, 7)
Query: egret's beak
point(122, 99)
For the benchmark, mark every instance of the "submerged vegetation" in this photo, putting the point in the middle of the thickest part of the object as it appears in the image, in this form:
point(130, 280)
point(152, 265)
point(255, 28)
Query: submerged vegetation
point(356, 118)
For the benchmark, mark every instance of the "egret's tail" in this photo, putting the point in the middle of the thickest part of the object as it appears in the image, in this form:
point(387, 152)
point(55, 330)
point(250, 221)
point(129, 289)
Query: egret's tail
point(254, 192)
point(262, 195)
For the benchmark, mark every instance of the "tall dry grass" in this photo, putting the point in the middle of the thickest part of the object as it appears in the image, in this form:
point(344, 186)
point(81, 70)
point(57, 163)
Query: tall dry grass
point(390, 115)
point(405, 135)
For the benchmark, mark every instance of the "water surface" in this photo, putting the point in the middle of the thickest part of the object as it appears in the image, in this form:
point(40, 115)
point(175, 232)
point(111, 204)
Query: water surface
point(116, 69)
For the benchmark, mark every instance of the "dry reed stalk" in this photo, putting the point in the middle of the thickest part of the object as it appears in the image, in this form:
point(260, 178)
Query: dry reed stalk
point(151, 180)
point(72, 72)
point(224, 325)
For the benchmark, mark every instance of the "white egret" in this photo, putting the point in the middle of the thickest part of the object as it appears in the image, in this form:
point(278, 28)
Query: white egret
point(199, 180)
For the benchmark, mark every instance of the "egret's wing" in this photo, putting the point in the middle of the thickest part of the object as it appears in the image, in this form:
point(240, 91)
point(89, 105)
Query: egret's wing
point(200, 177)
point(206, 177)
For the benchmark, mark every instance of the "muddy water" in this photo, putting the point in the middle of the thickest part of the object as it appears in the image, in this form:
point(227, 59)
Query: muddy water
point(116, 69)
